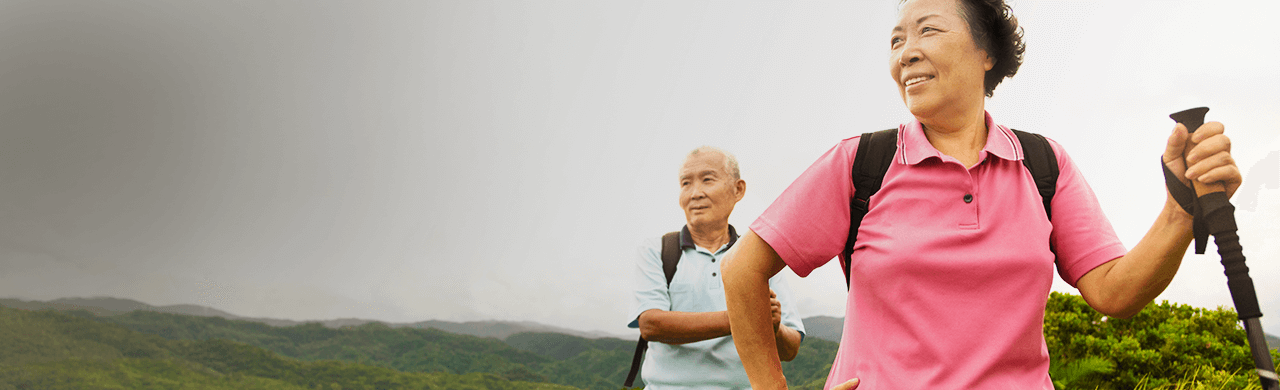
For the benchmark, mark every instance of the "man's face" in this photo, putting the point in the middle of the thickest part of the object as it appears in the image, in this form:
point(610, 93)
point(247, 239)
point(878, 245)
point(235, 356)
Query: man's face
point(707, 191)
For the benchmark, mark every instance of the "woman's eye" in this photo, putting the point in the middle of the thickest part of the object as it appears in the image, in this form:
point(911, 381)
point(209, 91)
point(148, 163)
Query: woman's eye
point(894, 41)
point(927, 29)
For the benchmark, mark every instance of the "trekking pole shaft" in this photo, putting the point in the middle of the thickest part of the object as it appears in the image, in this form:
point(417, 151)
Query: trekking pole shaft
point(1218, 213)
point(1245, 298)
point(1261, 358)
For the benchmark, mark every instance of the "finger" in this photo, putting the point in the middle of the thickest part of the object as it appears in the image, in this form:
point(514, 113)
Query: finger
point(1210, 146)
point(1207, 130)
point(1209, 163)
point(772, 294)
point(1177, 143)
point(850, 385)
point(1227, 175)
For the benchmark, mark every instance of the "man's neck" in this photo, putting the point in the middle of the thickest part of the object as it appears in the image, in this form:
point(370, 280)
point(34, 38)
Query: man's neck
point(710, 236)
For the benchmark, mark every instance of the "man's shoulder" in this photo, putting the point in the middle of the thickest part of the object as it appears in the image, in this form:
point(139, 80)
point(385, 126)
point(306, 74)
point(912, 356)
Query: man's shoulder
point(650, 248)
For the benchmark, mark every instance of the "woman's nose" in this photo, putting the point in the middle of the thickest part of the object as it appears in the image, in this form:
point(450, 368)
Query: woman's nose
point(910, 54)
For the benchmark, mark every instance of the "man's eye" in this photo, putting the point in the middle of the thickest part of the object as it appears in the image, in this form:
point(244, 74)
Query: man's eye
point(893, 42)
point(927, 29)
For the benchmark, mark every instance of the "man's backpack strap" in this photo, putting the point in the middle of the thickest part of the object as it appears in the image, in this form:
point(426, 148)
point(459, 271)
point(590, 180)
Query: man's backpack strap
point(1038, 157)
point(641, 347)
point(671, 252)
point(875, 154)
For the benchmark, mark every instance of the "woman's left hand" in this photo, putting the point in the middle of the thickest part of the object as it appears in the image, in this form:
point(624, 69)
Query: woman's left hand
point(1203, 156)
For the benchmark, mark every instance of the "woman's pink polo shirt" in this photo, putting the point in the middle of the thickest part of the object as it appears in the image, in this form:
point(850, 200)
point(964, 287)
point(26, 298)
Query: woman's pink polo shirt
point(944, 293)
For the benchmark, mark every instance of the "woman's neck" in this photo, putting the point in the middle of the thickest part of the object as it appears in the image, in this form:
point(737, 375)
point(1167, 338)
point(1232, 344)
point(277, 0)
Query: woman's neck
point(961, 137)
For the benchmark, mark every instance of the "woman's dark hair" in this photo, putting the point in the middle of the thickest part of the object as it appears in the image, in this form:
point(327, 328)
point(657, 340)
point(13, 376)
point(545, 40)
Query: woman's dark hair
point(996, 31)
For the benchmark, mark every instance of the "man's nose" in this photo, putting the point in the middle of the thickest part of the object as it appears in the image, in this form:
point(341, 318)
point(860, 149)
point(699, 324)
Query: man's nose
point(698, 192)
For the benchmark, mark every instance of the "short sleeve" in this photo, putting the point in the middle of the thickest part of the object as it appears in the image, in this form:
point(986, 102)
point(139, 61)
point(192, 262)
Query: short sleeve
point(651, 283)
point(809, 223)
point(1082, 237)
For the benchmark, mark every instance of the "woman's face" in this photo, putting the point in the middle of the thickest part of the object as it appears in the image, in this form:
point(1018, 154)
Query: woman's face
point(938, 67)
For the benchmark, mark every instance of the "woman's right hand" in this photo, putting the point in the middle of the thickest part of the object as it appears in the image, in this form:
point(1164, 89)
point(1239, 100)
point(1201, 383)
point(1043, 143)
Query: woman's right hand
point(850, 385)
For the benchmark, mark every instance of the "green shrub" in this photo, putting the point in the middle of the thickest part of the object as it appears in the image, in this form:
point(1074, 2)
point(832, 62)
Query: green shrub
point(1163, 345)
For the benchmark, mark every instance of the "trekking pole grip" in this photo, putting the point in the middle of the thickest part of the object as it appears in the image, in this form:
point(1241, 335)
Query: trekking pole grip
point(1193, 119)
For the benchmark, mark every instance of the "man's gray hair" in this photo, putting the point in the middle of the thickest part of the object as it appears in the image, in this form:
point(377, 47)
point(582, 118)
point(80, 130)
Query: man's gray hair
point(730, 162)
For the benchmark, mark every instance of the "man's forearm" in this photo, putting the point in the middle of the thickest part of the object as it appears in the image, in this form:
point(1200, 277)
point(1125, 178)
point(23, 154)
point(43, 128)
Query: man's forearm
point(788, 341)
point(677, 327)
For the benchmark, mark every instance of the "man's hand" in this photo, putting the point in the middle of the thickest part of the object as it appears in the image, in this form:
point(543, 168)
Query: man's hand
point(1203, 156)
point(850, 385)
point(775, 310)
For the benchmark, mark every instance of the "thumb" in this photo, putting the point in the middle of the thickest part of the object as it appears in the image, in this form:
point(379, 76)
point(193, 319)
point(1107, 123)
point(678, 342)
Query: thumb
point(1173, 150)
point(850, 385)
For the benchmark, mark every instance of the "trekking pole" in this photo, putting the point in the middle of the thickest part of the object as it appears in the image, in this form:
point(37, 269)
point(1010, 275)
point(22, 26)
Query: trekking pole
point(1215, 215)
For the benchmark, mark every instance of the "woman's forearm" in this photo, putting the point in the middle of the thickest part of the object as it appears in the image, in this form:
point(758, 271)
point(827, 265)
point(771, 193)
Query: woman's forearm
point(1122, 287)
point(746, 271)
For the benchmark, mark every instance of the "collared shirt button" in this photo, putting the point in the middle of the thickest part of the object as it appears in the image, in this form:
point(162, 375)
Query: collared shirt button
point(713, 274)
point(968, 198)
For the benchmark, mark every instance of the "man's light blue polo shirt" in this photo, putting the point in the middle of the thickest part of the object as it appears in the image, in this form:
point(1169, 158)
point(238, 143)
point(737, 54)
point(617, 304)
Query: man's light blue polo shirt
point(696, 287)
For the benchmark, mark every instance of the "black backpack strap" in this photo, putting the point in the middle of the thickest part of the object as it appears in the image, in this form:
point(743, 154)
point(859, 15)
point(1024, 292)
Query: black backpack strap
point(641, 347)
point(875, 155)
point(1038, 157)
point(671, 252)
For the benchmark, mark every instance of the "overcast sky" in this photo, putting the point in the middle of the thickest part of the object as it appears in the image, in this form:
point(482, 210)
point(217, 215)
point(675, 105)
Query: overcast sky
point(474, 160)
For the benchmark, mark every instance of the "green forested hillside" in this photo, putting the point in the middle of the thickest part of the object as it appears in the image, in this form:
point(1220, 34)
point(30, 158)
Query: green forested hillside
point(532, 357)
point(1164, 345)
point(404, 349)
point(536, 357)
point(52, 350)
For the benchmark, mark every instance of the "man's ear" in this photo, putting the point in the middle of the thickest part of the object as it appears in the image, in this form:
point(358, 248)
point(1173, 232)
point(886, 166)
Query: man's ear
point(741, 186)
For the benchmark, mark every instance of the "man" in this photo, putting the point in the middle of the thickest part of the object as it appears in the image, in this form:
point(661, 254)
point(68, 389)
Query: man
point(686, 323)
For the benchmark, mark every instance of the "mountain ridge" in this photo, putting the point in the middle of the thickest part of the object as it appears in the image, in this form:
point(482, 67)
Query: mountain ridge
point(111, 306)
point(823, 327)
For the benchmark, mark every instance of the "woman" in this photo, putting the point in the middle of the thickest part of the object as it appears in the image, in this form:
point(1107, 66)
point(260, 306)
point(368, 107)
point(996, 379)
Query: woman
point(955, 258)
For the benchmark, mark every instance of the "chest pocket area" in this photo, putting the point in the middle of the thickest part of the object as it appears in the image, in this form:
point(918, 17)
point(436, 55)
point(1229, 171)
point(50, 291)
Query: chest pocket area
point(680, 294)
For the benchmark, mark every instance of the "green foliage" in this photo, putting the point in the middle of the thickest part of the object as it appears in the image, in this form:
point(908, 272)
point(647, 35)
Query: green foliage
point(404, 349)
point(1066, 373)
point(1166, 346)
point(603, 363)
point(812, 362)
point(51, 350)
point(1205, 378)
point(42, 336)
point(1161, 346)
point(560, 346)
